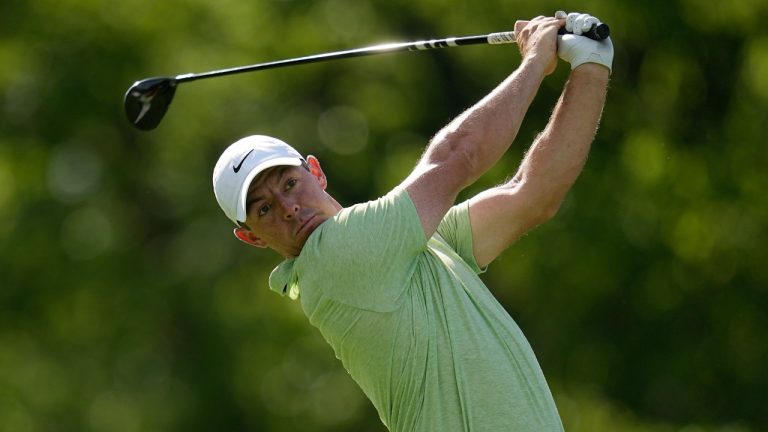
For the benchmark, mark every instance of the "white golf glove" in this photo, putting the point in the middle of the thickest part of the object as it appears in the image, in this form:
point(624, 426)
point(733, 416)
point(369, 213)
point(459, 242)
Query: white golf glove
point(577, 49)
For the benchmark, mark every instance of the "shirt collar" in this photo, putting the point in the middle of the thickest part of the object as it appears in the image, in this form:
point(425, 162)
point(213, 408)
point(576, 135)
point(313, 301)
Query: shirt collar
point(284, 280)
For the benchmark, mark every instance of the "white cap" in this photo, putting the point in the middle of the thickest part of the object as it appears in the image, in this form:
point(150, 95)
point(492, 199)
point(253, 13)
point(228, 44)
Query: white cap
point(240, 163)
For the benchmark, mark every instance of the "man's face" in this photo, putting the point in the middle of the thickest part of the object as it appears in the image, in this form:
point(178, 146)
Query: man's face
point(285, 204)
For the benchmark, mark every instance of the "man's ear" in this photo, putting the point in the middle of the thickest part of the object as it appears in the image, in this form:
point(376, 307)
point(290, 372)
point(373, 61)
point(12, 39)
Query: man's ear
point(317, 171)
point(247, 236)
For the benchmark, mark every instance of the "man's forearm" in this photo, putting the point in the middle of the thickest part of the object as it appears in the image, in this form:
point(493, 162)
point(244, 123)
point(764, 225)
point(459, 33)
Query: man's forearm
point(485, 131)
point(558, 154)
point(465, 149)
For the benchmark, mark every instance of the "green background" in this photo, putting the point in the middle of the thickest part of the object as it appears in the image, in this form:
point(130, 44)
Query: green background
point(127, 305)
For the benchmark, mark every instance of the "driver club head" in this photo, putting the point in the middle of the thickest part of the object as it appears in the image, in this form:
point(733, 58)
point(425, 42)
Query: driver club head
point(147, 101)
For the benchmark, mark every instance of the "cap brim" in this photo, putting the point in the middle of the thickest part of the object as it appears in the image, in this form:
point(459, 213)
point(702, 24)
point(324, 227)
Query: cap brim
point(241, 210)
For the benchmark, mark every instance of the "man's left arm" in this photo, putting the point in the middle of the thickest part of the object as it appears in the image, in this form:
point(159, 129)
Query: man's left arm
point(500, 215)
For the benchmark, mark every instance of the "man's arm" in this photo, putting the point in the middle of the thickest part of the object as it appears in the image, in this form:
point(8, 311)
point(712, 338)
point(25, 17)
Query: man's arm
point(468, 146)
point(501, 215)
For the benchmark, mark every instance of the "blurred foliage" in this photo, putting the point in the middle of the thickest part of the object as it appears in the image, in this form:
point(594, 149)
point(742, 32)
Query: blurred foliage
point(126, 305)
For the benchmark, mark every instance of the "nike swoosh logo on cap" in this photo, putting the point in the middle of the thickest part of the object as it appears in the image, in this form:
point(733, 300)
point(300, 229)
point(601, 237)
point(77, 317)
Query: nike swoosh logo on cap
point(237, 168)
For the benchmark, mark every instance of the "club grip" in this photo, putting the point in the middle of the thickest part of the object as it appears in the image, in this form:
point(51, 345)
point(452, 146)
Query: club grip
point(598, 32)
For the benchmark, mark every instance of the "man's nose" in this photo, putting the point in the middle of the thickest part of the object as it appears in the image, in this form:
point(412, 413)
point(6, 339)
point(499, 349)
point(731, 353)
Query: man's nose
point(290, 208)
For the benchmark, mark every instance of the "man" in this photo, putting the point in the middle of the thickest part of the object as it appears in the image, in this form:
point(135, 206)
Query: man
point(392, 284)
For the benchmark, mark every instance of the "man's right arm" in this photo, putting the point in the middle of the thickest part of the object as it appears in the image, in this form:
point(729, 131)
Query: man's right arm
point(473, 142)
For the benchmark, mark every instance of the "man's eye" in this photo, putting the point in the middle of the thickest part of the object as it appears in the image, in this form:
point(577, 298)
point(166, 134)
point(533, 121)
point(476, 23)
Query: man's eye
point(263, 209)
point(291, 183)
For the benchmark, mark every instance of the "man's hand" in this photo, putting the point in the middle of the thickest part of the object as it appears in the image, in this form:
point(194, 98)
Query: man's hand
point(576, 49)
point(537, 40)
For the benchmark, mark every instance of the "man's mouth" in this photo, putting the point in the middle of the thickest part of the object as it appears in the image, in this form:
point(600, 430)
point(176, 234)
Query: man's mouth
point(305, 226)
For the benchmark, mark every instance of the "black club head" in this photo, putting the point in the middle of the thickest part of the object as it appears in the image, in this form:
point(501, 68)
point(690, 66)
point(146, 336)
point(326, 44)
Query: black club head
point(147, 101)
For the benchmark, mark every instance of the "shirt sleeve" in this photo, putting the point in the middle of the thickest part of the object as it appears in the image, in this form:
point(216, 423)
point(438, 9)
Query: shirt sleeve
point(456, 230)
point(365, 255)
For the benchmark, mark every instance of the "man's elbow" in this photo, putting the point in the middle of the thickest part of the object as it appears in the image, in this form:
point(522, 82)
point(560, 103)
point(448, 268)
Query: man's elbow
point(546, 198)
point(549, 212)
point(457, 150)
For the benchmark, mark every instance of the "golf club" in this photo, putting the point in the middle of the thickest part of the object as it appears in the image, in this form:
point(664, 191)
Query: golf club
point(146, 101)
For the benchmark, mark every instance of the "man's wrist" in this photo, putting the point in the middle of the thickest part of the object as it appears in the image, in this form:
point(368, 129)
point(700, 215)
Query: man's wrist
point(593, 70)
point(535, 65)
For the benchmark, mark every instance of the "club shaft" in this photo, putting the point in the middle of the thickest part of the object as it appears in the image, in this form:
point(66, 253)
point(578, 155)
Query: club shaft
point(491, 38)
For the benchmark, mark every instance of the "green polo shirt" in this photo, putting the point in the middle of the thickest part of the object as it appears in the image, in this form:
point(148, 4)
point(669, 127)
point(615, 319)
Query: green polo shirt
point(413, 323)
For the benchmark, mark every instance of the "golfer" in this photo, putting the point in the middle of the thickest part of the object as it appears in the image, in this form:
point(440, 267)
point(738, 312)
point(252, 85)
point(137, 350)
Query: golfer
point(392, 284)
